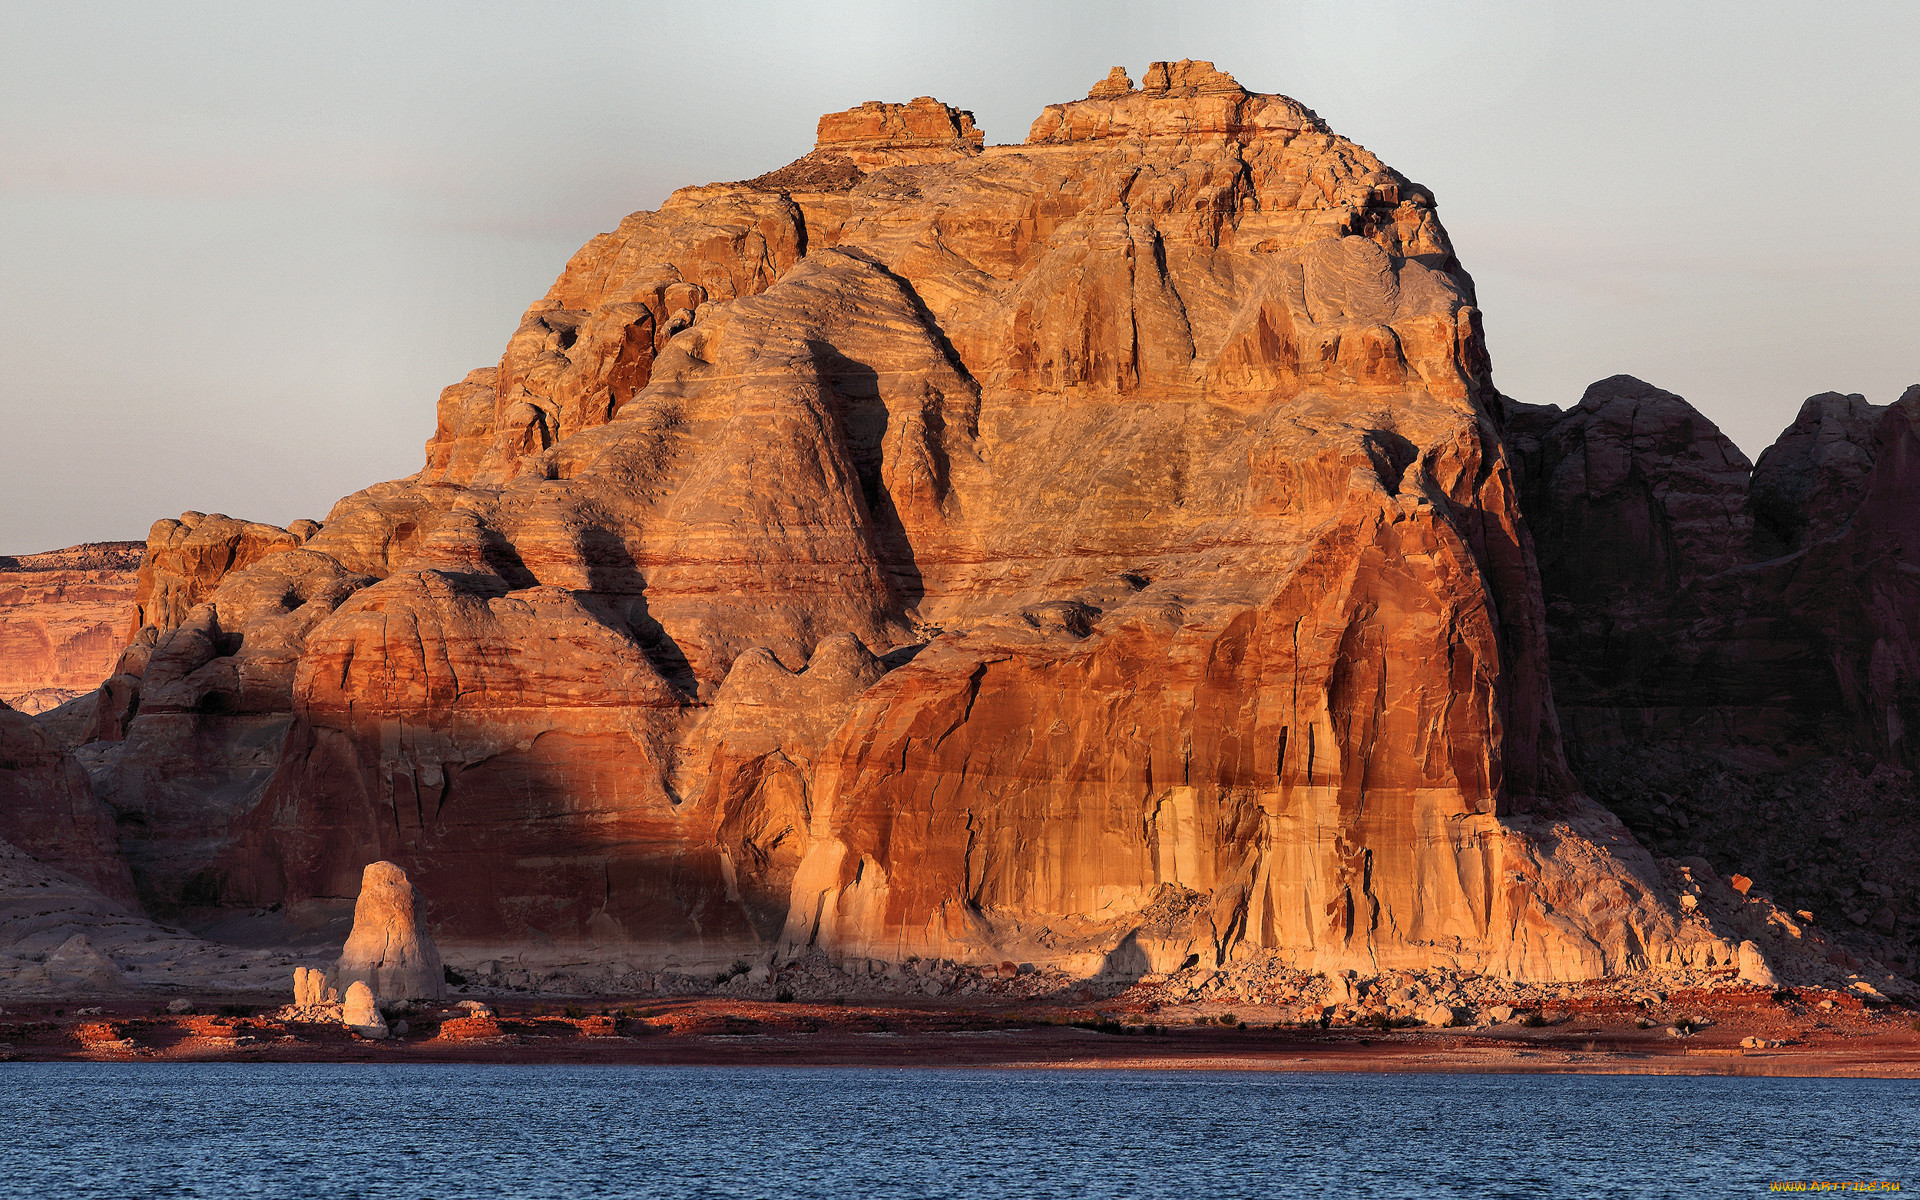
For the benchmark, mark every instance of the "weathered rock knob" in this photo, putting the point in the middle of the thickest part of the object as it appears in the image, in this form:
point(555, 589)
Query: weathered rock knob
point(1117, 83)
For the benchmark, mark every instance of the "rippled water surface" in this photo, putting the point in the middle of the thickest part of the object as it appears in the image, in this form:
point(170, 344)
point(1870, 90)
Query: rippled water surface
point(324, 1131)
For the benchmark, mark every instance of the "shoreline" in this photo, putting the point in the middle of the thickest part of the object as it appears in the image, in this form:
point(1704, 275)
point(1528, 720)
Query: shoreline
point(708, 1031)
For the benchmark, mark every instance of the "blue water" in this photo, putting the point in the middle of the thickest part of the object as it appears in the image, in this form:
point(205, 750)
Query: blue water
point(324, 1131)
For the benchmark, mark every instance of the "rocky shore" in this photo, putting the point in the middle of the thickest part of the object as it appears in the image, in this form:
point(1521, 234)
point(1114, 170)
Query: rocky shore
point(1713, 1031)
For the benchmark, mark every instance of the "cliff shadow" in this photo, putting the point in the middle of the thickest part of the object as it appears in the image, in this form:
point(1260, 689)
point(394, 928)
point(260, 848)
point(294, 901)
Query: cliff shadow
point(617, 598)
point(1125, 963)
point(852, 389)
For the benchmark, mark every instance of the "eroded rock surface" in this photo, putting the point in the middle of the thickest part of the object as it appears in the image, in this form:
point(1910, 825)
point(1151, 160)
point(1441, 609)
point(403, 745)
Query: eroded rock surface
point(360, 1011)
point(1736, 654)
point(63, 619)
point(47, 916)
point(1097, 550)
point(389, 949)
point(47, 808)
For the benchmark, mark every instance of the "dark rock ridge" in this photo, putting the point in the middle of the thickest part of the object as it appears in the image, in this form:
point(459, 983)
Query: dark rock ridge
point(1736, 651)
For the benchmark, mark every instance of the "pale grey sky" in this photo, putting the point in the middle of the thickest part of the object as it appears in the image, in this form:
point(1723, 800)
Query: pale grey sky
point(243, 246)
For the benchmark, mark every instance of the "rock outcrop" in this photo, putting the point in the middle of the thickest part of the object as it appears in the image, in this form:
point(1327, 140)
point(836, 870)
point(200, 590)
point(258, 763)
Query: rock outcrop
point(63, 619)
point(389, 949)
point(311, 988)
point(47, 808)
point(1096, 551)
point(43, 911)
point(185, 734)
point(185, 561)
point(1736, 654)
point(76, 968)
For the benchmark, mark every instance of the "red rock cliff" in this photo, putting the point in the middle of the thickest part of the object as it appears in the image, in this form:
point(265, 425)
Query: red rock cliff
point(62, 617)
point(933, 548)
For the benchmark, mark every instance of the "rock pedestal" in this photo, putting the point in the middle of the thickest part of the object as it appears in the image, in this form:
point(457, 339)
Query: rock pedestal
point(389, 949)
point(311, 990)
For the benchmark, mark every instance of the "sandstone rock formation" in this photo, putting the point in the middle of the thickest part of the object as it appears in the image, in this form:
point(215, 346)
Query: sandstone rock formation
point(1736, 653)
point(1097, 551)
point(312, 990)
point(186, 559)
point(1807, 485)
point(43, 911)
point(187, 731)
point(360, 1012)
point(47, 808)
point(389, 949)
point(1753, 967)
point(76, 968)
point(63, 618)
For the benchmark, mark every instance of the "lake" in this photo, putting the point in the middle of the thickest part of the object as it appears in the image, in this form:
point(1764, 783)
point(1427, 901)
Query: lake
point(322, 1131)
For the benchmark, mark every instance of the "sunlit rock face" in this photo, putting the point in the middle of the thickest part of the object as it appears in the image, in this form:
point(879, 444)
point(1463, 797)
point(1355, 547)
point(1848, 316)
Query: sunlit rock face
point(1099, 549)
point(389, 948)
point(63, 619)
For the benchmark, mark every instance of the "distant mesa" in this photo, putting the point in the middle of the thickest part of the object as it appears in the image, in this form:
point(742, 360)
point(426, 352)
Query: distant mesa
point(63, 619)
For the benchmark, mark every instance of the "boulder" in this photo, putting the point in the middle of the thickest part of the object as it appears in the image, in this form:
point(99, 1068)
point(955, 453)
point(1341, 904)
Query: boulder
point(360, 1011)
point(390, 949)
point(1754, 968)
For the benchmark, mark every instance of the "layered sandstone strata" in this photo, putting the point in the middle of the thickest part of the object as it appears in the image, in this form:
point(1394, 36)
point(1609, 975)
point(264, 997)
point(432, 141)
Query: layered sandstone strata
point(1100, 549)
point(63, 619)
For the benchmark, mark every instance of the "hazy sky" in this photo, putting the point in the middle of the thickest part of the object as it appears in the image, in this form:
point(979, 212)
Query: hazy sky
point(243, 246)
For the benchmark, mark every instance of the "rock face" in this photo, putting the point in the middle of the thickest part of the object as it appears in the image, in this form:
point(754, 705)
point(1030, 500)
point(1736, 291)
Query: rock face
point(43, 911)
point(47, 808)
point(1808, 484)
point(76, 968)
point(389, 949)
point(1736, 654)
point(185, 733)
point(186, 559)
point(1090, 551)
point(63, 619)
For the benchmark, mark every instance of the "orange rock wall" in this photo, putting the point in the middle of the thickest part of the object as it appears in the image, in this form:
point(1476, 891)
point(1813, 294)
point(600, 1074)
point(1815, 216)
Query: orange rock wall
point(926, 548)
point(63, 616)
